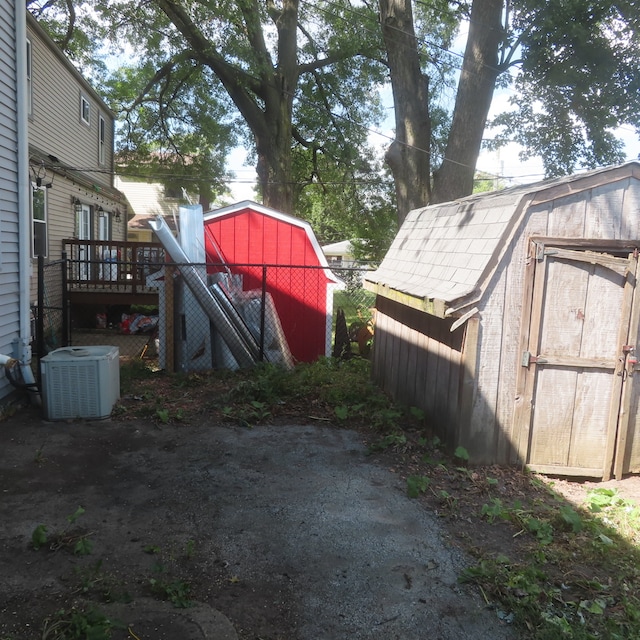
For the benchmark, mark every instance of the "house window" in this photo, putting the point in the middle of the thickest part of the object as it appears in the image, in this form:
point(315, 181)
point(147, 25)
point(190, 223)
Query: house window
point(29, 84)
point(104, 224)
point(39, 220)
point(173, 192)
point(101, 139)
point(85, 110)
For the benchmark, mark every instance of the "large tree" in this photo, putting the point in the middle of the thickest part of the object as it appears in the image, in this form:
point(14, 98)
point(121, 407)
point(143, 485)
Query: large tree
point(573, 65)
point(304, 79)
point(294, 72)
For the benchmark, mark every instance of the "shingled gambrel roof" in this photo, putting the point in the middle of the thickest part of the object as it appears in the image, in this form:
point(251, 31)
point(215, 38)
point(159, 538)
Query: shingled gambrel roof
point(444, 253)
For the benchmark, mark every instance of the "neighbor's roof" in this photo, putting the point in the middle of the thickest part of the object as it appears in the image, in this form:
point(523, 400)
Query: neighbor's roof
point(147, 200)
point(445, 252)
point(342, 248)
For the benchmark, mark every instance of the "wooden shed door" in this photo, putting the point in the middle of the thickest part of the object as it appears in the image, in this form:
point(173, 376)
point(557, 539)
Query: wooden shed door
point(580, 322)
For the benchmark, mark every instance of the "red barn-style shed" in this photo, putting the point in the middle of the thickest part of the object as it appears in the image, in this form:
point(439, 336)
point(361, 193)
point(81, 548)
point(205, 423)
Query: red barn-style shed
point(254, 241)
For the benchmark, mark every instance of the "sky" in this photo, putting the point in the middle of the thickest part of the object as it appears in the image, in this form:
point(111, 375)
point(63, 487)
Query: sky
point(503, 162)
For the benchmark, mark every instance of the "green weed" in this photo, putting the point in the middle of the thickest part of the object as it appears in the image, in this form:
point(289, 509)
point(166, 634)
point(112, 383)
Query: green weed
point(80, 544)
point(417, 485)
point(178, 592)
point(391, 440)
point(79, 624)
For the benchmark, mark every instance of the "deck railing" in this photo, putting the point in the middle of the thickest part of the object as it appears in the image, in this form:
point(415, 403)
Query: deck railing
point(111, 266)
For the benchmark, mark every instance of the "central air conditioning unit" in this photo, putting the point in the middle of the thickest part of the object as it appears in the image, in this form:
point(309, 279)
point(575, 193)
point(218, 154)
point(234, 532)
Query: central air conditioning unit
point(80, 382)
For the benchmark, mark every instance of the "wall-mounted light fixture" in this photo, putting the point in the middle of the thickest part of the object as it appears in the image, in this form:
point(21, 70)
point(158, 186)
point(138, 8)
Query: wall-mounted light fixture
point(40, 177)
point(116, 216)
point(100, 211)
point(77, 206)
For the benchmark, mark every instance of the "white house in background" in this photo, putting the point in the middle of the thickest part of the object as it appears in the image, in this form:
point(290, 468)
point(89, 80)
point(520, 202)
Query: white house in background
point(147, 200)
point(339, 254)
point(15, 239)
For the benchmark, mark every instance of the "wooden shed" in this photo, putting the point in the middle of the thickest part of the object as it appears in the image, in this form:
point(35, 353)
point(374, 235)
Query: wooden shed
point(512, 319)
point(258, 242)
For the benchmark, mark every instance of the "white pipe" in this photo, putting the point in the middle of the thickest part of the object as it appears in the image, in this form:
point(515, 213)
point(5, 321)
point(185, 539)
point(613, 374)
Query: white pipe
point(24, 214)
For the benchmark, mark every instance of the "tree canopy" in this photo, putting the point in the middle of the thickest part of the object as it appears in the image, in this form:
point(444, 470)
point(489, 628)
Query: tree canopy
point(299, 83)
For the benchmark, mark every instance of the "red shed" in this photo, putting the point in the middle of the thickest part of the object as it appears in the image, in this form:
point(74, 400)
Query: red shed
point(253, 240)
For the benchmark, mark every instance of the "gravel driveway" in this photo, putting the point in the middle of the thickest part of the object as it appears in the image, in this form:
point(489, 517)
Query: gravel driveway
point(289, 531)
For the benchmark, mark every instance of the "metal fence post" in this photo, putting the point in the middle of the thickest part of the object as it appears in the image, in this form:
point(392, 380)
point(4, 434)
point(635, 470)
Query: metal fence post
point(263, 306)
point(40, 310)
point(66, 309)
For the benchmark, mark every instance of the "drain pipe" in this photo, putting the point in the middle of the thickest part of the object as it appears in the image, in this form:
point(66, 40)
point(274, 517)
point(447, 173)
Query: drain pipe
point(20, 376)
point(22, 345)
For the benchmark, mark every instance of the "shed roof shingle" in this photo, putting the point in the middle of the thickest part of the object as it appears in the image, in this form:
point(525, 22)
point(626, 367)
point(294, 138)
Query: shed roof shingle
point(444, 252)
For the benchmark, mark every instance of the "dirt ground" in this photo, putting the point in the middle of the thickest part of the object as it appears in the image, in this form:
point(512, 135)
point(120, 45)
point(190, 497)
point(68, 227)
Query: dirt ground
point(289, 529)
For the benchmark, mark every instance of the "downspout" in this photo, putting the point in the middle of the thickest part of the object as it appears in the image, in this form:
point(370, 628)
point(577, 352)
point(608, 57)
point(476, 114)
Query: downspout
point(23, 347)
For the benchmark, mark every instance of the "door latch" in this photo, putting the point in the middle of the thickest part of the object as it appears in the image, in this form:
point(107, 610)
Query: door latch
point(528, 359)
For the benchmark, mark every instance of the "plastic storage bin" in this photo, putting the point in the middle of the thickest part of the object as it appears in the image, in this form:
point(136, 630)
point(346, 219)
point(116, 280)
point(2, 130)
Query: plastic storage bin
point(80, 382)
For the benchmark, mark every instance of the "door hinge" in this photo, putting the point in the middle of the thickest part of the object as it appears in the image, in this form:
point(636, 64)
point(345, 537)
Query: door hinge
point(528, 359)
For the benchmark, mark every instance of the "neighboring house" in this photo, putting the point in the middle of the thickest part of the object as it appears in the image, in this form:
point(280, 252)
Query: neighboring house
point(513, 319)
point(147, 201)
point(339, 254)
point(15, 326)
point(71, 141)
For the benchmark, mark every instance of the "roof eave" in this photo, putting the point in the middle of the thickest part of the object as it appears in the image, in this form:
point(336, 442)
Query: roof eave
point(432, 306)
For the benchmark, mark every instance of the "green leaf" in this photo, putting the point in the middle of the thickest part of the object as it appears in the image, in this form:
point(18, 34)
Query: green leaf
point(74, 516)
point(606, 540)
point(342, 412)
point(596, 606)
point(417, 485)
point(572, 518)
point(83, 547)
point(39, 536)
point(461, 453)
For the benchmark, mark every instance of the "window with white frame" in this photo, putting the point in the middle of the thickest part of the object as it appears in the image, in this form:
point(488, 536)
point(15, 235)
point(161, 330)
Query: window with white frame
point(102, 128)
point(29, 78)
point(39, 221)
point(85, 110)
point(104, 224)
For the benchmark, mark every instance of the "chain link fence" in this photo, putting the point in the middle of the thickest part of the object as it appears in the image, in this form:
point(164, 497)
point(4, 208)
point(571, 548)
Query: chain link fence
point(50, 315)
point(233, 315)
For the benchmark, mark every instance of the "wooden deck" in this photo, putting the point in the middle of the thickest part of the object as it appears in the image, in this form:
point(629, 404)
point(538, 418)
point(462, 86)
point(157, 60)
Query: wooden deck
point(109, 272)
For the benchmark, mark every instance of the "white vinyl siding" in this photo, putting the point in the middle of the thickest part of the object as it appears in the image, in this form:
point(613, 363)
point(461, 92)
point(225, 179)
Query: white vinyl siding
point(57, 126)
point(9, 242)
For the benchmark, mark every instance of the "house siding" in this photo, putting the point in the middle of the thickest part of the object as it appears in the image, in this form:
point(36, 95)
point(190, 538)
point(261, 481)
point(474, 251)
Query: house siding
point(57, 130)
point(55, 125)
point(9, 182)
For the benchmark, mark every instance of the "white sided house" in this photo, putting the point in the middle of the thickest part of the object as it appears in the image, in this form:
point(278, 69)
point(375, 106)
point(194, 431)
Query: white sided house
point(512, 318)
point(71, 160)
point(15, 326)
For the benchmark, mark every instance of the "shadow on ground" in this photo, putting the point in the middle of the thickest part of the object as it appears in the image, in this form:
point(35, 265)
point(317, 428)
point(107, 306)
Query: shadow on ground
point(288, 531)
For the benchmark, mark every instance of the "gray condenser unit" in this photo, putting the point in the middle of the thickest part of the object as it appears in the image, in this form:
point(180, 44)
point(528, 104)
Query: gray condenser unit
point(80, 382)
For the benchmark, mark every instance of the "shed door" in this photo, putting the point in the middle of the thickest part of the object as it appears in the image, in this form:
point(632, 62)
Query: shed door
point(581, 312)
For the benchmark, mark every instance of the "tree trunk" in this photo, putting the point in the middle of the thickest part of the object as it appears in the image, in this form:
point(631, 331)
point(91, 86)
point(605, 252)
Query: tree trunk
point(454, 178)
point(408, 155)
point(273, 137)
